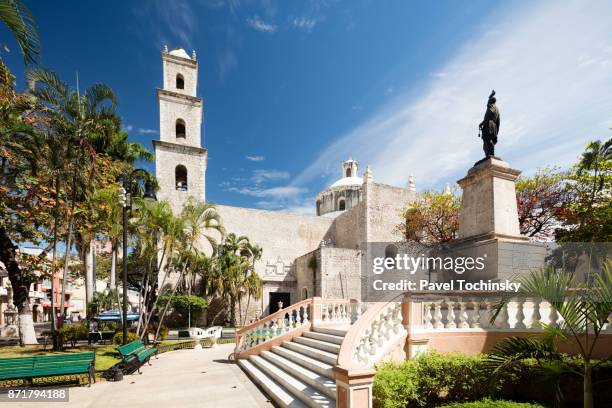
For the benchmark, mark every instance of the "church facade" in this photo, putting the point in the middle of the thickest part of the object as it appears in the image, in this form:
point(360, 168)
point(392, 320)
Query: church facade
point(303, 255)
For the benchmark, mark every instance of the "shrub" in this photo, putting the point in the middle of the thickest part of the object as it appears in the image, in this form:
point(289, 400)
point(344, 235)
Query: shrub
point(73, 333)
point(396, 385)
point(118, 337)
point(429, 379)
point(488, 403)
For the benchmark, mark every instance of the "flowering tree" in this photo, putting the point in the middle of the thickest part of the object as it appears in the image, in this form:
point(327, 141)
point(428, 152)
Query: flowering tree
point(432, 220)
point(541, 200)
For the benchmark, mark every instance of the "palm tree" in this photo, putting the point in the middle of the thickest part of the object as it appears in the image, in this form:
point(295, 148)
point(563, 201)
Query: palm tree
point(595, 155)
point(253, 283)
point(235, 261)
point(584, 311)
point(159, 231)
point(199, 221)
point(78, 119)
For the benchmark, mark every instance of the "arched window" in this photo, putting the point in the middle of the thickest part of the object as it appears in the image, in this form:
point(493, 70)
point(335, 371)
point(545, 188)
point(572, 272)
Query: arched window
point(180, 129)
point(180, 177)
point(304, 293)
point(180, 82)
point(341, 204)
point(348, 172)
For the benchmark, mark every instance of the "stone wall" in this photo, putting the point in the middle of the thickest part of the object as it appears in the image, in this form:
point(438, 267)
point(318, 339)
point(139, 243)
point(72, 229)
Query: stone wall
point(284, 237)
point(384, 204)
point(348, 230)
point(340, 273)
point(307, 270)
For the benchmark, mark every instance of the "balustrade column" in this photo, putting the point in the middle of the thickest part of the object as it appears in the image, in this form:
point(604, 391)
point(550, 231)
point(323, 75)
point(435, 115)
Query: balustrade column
point(450, 315)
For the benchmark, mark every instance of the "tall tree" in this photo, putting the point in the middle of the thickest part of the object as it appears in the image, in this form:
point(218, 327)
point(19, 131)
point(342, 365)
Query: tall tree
point(79, 119)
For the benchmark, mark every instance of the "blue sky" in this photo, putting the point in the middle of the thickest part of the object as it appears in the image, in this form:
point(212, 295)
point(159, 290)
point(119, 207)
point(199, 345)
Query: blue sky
point(291, 88)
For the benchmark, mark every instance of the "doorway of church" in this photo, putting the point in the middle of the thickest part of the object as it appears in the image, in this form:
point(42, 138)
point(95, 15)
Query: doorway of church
point(276, 297)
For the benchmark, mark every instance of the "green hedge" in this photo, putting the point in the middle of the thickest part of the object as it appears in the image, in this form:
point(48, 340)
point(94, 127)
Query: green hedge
point(429, 379)
point(434, 380)
point(488, 403)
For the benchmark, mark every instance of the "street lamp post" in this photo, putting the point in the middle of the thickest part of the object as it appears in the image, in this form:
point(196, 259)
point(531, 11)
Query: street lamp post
point(149, 195)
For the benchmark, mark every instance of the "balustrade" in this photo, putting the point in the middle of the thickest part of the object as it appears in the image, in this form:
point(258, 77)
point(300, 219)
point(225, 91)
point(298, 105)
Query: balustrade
point(475, 313)
point(274, 325)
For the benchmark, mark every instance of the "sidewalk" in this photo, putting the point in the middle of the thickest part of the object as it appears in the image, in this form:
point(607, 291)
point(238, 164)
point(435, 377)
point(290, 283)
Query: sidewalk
point(183, 378)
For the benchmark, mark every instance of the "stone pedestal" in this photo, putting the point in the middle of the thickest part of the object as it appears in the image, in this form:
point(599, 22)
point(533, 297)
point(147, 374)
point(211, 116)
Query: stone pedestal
point(489, 227)
point(488, 204)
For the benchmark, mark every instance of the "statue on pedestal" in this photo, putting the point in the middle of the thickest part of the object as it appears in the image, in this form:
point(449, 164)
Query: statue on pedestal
point(489, 127)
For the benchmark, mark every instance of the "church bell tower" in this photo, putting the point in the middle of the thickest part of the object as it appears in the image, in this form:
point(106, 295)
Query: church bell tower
point(180, 159)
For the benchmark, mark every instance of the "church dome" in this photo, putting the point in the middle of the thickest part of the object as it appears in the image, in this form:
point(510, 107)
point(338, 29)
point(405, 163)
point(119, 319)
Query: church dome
point(344, 193)
point(347, 181)
point(179, 52)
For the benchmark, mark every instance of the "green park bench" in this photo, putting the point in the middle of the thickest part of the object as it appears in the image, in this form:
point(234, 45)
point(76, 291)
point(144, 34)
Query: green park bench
point(28, 368)
point(135, 354)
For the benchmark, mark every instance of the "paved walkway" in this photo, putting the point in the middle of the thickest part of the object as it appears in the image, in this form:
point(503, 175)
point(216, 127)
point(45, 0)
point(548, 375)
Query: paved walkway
point(183, 378)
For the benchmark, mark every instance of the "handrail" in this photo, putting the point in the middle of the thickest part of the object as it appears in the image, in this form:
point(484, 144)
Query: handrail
point(275, 328)
point(274, 315)
point(360, 334)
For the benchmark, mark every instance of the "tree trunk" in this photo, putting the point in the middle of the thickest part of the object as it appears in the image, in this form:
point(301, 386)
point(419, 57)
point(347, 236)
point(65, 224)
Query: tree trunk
point(246, 312)
point(233, 310)
point(89, 275)
point(21, 289)
point(113, 268)
point(588, 385)
point(65, 273)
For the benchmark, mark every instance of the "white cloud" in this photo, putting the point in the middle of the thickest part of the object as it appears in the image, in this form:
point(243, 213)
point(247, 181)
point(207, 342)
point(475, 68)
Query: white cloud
point(304, 23)
point(282, 192)
point(255, 158)
point(260, 25)
point(143, 131)
point(128, 128)
point(260, 176)
point(554, 92)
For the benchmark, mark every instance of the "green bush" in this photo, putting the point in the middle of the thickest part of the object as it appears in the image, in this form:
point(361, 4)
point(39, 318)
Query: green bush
point(118, 337)
point(396, 385)
point(73, 333)
point(430, 379)
point(488, 403)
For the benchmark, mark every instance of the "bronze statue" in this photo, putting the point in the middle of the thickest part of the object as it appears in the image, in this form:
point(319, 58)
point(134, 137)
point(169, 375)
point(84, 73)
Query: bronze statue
point(489, 127)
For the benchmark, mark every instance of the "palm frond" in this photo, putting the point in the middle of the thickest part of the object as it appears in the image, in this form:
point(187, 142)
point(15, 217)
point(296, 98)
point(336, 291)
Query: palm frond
point(19, 20)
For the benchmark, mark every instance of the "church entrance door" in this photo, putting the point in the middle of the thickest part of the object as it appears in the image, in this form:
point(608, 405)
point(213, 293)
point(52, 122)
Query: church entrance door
point(276, 297)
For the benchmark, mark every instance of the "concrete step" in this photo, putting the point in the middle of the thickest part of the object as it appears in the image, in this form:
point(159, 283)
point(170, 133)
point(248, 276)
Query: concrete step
point(330, 330)
point(330, 338)
point(326, 357)
point(273, 389)
point(319, 344)
point(323, 384)
point(307, 394)
point(310, 363)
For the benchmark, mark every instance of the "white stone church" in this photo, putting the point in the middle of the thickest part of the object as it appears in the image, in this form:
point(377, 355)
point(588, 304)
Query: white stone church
point(303, 255)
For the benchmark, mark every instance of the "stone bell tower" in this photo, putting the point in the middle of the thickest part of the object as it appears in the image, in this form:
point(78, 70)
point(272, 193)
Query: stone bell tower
point(180, 159)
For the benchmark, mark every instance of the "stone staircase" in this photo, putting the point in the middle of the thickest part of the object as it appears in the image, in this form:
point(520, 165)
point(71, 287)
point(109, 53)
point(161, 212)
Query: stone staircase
point(298, 373)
